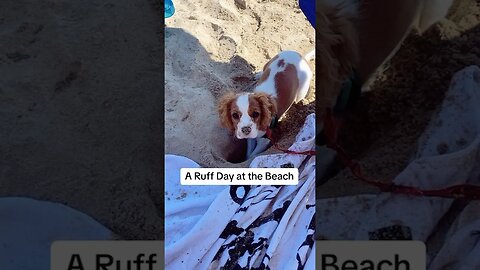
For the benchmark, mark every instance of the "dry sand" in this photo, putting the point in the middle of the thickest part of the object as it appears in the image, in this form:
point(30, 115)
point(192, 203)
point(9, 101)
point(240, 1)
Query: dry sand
point(215, 46)
point(81, 88)
point(80, 107)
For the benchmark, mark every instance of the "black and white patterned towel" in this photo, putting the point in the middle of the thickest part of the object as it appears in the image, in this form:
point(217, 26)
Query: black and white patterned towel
point(243, 227)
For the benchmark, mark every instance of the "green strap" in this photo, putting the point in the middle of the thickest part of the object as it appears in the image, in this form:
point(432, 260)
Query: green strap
point(351, 89)
point(274, 122)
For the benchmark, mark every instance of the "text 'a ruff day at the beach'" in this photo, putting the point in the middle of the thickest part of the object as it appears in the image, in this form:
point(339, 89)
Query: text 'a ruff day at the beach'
point(239, 176)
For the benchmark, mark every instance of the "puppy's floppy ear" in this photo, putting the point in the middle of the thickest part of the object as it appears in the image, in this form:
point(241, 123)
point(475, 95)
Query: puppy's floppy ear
point(268, 105)
point(224, 110)
point(337, 50)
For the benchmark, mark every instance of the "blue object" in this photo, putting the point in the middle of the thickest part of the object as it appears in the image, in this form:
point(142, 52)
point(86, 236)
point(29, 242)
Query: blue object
point(169, 8)
point(308, 8)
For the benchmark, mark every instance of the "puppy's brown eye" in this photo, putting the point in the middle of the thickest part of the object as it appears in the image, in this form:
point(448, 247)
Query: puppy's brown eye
point(235, 116)
point(255, 114)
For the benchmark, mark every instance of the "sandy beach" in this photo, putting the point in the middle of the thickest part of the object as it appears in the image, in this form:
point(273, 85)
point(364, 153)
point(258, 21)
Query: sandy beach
point(80, 107)
point(211, 48)
point(81, 88)
point(81, 92)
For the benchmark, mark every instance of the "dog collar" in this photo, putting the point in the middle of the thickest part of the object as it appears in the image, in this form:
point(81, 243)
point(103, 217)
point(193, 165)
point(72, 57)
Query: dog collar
point(350, 92)
point(274, 122)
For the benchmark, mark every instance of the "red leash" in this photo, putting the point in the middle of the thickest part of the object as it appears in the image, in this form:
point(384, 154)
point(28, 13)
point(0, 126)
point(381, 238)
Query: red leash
point(331, 126)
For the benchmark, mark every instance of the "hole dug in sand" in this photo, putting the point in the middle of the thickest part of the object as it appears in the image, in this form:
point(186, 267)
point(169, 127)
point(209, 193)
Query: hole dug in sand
point(229, 150)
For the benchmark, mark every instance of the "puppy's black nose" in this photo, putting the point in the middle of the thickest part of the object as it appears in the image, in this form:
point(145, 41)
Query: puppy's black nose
point(246, 130)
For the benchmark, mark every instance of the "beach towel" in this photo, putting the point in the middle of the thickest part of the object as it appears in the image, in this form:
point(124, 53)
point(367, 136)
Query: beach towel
point(448, 154)
point(243, 227)
point(461, 250)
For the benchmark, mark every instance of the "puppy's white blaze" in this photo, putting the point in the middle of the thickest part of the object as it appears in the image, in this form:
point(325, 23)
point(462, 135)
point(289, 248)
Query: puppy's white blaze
point(245, 119)
point(243, 104)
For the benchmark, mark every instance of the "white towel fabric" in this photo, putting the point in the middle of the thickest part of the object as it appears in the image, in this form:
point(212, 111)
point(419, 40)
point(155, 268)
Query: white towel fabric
point(461, 250)
point(243, 227)
point(448, 154)
point(28, 227)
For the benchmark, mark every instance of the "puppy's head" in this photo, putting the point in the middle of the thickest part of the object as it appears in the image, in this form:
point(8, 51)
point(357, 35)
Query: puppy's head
point(246, 114)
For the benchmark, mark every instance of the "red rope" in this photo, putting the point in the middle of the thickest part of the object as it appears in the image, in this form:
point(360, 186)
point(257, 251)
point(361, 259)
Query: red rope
point(331, 126)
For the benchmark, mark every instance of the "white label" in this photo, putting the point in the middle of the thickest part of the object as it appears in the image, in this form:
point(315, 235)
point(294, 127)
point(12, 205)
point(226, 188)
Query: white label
point(239, 176)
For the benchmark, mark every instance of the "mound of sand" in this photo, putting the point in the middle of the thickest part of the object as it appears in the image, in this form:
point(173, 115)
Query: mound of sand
point(214, 47)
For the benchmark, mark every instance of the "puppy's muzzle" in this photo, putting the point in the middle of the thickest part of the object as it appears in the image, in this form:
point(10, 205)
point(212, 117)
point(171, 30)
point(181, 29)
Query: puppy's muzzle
point(246, 130)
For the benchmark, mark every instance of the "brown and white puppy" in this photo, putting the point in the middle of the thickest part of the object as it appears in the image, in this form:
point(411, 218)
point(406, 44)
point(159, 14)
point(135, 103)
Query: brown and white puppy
point(363, 35)
point(285, 79)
